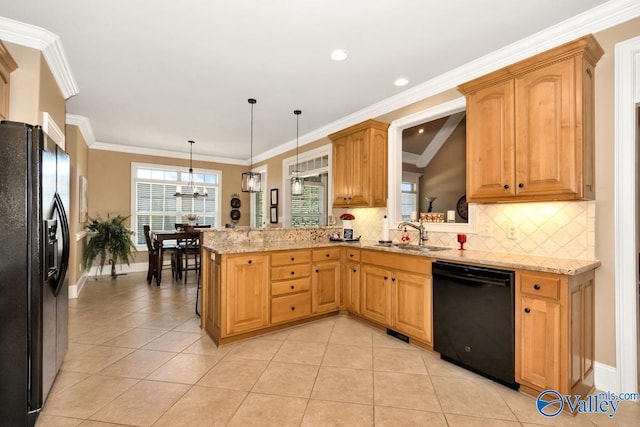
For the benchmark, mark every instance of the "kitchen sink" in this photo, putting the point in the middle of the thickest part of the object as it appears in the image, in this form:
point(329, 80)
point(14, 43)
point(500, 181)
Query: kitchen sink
point(417, 248)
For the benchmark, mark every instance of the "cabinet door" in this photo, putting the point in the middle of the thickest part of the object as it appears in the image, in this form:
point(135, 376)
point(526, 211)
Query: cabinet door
point(211, 293)
point(375, 300)
point(247, 293)
point(538, 343)
point(352, 287)
point(359, 162)
point(548, 154)
point(490, 143)
point(378, 171)
point(412, 306)
point(325, 285)
point(341, 172)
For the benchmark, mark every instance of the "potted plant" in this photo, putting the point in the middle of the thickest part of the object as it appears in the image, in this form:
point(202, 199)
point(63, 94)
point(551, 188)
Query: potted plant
point(109, 238)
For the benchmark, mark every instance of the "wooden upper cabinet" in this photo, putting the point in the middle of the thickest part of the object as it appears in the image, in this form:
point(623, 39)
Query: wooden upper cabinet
point(7, 66)
point(360, 165)
point(530, 128)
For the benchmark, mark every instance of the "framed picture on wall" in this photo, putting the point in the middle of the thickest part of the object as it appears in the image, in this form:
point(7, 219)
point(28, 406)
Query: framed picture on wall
point(273, 217)
point(274, 197)
point(83, 204)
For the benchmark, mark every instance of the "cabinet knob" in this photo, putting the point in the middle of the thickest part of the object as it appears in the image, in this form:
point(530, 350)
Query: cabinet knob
point(351, 255)
point(521, 185)
point(293, 272)
point(536, 287)
point(250, 261)
point(385, 277)
point(506, 186)
point(293, 259)
point(527, 310)
point(344, 198)
point(293, 287)
point(293, 309)
point(328, 255)
point(393, 279)
point(317, 271)
point(355, 271)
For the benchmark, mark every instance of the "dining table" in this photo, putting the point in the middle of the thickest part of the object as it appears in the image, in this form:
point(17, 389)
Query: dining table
point(161, 236)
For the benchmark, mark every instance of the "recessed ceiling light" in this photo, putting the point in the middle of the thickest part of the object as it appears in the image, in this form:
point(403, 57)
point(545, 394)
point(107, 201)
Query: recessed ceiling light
point(401, 82)
point(420, 130)
point(339, 55)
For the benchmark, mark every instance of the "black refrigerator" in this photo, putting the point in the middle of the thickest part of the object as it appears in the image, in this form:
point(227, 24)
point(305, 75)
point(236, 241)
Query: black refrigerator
point(34, 256)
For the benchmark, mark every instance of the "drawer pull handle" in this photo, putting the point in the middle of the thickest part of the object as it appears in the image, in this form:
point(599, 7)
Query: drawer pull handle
point(293, 259)
point(521, 185)
point(355, 271)
point(327, 255)
point(351, 255)
point(293, 272)
point(250, 261)
point(293, 287)
point(393, 279)
point(506, 186)
point(536, 287)
point(385, 277)
point(317, 271)
point(527, 310)
point(293, 309)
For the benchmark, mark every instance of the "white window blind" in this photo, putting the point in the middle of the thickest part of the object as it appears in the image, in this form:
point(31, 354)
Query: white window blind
point(154, 203)
point(308, 209)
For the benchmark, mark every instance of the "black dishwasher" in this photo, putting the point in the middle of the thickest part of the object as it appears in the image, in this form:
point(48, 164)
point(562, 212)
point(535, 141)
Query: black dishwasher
point(473, 319)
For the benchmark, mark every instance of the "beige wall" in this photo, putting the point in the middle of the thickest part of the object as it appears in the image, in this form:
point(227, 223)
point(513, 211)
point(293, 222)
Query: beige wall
point(25, 85)
point(79, 155)
point(50, 97)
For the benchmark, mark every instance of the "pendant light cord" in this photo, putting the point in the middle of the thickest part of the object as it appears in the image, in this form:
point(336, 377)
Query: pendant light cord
point(252, 102)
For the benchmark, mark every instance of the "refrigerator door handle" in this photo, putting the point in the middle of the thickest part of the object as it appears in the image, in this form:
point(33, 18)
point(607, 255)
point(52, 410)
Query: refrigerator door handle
point(63, 265)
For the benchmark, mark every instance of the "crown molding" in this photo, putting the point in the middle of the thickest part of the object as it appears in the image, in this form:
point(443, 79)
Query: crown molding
point(84, 125)
point(52, 129)
point(593, 20)
point(106, 146)
point(50, 46)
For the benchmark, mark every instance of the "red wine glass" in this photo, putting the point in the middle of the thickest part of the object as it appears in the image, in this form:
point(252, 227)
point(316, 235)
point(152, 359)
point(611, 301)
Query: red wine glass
point(462, 239)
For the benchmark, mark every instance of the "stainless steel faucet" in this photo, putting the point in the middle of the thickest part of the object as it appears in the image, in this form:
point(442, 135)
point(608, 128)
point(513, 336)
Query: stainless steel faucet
point(422, 233)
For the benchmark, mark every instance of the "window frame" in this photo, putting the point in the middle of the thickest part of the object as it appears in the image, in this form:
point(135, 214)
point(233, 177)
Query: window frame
point(262, 170)
point(169, 168)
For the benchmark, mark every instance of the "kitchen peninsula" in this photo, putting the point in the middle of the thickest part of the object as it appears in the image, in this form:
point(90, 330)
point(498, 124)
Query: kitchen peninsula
point(259, 281)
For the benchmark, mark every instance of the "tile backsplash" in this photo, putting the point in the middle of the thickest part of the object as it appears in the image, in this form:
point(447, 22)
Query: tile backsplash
point(554, 229)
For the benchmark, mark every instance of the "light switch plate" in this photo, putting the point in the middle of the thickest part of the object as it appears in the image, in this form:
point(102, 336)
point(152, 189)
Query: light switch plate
point(512, 231)
point(485, 230)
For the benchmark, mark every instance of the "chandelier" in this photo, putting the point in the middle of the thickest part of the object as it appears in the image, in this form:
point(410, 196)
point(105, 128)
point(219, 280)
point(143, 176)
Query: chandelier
point(191, 190)
point(251, 180)
point(297, 183)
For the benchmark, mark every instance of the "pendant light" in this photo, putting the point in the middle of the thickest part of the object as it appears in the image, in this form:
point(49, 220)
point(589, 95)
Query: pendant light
point(297, 183)
point(191, 191)
point(251, 180)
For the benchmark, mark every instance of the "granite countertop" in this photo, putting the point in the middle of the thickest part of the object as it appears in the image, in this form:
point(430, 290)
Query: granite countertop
point(508, 260)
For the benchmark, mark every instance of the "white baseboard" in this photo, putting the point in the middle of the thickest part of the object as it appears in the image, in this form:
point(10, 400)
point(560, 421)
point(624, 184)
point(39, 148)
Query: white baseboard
point(74, 290)
point(605, 377)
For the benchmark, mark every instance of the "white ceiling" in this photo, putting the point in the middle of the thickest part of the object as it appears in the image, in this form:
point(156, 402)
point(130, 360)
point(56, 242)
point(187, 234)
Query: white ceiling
point(154, 74)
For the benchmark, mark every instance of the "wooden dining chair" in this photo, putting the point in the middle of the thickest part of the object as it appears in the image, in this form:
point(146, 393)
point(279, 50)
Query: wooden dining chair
point(190, 252)
point(152, 249)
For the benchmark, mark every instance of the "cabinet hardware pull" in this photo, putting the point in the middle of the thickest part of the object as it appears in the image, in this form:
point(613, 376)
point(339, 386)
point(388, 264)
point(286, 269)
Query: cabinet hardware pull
point(293, 287)
point(317, 271)
point(393, 279)
point(293, 259)
point(536, 287)
point(527, 310)
point(328, 255)
point(506, 186)
point(521, 185)
point(293, 309)
point(293, 272)
point(351, 255)
point(385, 277)
point(355, 271)
point(249, 261)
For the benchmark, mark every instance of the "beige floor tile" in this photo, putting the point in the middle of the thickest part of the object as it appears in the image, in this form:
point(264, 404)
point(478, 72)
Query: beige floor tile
point(96, 334)
point(268, 410)
point(184, 368)
point(75, 349)
point(172, 341)
point(348, 356)
point(308, 353)
point(467, 421)
point(351, 336)
point(95, 359)
point(190, 325)
point(45, 420)
point(437, 367)
point(162, 320)
point(401, 390)
point(474, 397)
point(207, 347)
point(627, 414)
point(344, 385)
point(398, 360)
point(90, 423)
point(381, 339)
point(256, 349)
point(66, 379)
point(278, 335)
point(83, 399)
point(135, 338)
point(342, 321)
point(321, 413)
point(138, 364)
point(392, 417)
point(235, 374)
point(203, 406)
point(312, 332)
point(287, 379)
point(142, 404)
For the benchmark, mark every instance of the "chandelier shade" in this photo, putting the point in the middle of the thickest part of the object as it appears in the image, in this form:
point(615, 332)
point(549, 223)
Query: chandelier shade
point(251, 181)
point(191, 190)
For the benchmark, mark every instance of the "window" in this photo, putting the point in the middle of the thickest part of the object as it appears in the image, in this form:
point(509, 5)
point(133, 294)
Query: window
point(409, 190)
point(258, 200)
point(310, 208)
point(153, 202)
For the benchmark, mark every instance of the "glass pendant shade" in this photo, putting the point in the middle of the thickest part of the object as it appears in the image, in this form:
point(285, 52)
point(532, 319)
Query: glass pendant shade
point(297, 183)
point(251, 180)
point(190, 190)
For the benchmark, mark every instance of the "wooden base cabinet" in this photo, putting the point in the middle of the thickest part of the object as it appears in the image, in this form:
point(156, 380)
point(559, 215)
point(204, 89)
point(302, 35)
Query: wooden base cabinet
point(554, 332)
point(245, 296)
point(530, 128)
point(351, 281)
point(290, 286)
point(325, 280)
point(396, 291)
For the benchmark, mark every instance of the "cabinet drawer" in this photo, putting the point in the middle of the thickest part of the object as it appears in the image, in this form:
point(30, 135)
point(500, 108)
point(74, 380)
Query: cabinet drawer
point(290, 286)
point(290, 307)
point(326, 254)
point(541, 286)
point(290, 271)
point(289, 258)
point(352, 254)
